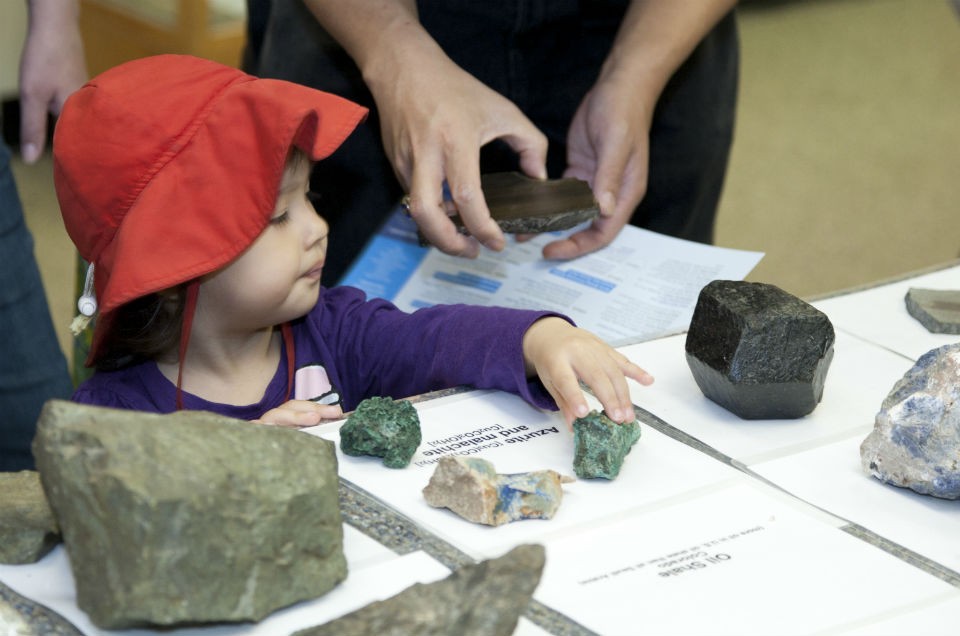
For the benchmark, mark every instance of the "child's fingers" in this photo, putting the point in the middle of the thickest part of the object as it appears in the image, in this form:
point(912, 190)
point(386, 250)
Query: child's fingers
point(300, 414)
point(566, 392)
point(635, 372)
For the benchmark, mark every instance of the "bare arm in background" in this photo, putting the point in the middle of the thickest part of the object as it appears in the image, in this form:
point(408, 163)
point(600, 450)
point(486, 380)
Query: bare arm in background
point(608, 142)
point(51, 67)
point(435, 116)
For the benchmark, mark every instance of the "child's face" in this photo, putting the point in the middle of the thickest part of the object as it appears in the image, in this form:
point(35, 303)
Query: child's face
point(278, 277)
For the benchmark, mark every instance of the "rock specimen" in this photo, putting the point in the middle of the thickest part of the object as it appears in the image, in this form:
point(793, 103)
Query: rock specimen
point(382, 427)
point(600, 445)
point(937, 309)
point(915, 442)
point(758, 351)
point(521, 205)
point(27, 527)
point(485, 599)
point(472, 488)
point(190, 517)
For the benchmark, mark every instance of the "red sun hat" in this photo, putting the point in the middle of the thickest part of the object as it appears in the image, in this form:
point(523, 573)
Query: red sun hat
point(168, 167)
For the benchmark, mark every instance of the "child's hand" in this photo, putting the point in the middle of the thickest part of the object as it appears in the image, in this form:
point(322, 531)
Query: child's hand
point(562, 354)
point(300, 414)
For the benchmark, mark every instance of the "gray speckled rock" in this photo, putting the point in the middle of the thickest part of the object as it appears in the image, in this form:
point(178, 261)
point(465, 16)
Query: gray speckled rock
point(382, 427)
point(600, 445)
point(915, 442)
point(27, 527)
point(936, 309)
point(758, 351)
point(473, 489)
point(190, 517)
point(485, 599)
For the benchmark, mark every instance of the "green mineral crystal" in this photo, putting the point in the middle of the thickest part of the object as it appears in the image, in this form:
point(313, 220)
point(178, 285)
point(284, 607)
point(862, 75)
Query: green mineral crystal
point(601, 444)
point(382, 427)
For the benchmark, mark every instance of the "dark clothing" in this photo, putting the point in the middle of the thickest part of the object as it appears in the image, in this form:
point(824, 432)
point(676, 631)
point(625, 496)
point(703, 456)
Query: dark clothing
point(543, 55)
point(32, 366)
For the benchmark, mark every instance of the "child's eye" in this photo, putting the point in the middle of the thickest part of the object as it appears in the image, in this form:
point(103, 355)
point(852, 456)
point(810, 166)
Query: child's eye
point(281, 218)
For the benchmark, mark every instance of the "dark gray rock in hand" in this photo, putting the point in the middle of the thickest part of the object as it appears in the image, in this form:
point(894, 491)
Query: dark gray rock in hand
point(485, 599)
point(382, 427)
point(28, 530)
point(758, 351)
point(915, 442)
point(190, 517)
point(936, 309)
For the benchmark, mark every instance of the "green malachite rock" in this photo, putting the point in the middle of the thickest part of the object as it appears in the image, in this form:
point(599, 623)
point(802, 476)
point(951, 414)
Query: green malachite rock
point(600, 445)
point(382, 427)
point(27, 527)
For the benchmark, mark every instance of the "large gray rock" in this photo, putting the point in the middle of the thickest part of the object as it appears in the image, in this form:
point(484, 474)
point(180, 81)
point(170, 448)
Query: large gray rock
point(190, 517)
point(915, 442)
point(27, 527)
point(485, 599)
point(758, 351)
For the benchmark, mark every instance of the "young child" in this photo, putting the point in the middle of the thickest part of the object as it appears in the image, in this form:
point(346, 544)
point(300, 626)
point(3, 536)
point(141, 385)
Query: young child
point(185, 184)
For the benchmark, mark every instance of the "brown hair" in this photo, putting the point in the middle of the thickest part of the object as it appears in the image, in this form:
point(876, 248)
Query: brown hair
point(143, 329)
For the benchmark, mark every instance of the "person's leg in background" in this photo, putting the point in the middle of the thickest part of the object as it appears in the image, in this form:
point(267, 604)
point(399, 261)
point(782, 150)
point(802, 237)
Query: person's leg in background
point(33, 368)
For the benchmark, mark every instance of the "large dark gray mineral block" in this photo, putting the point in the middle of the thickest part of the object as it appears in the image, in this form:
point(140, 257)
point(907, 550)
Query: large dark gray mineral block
point(758, 351)
point(485, 599)
point(915, 442)
point(190, 517)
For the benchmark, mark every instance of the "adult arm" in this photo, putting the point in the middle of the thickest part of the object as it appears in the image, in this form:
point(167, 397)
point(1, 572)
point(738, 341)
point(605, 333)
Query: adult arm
point(51, 67)
point(434, 117)
point(608, 141)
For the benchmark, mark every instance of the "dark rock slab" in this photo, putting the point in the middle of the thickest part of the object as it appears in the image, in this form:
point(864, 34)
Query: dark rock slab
point(915, 442)
point(521, 205)
point(758, 351)
point(190, 517)
point(600, 445)
point(936, 309)
point(485, 599)
point(382, 427)
point(472, 488)
point(28, 530)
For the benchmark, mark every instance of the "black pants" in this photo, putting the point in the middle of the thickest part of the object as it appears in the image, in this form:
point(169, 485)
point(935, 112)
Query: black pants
point(544, 55)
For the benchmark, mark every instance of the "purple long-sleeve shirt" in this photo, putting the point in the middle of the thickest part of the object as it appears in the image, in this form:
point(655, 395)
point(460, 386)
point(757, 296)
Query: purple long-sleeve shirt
point(349, 348)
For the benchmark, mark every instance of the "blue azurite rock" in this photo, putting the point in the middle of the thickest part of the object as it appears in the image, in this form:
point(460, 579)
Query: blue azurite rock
point(473, 489)
point(915, 442)
point(600, 445)
point(382, 427)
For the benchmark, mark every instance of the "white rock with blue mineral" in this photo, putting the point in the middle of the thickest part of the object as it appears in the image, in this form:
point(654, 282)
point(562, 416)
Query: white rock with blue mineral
point(915, 442)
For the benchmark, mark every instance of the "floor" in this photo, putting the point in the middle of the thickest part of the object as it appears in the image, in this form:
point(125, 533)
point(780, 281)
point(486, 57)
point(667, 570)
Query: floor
point(846, 164)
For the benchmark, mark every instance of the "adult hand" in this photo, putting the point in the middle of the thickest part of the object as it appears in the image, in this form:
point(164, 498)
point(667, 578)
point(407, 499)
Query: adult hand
point(434, 119)
point(51, 67)
point(607, 146)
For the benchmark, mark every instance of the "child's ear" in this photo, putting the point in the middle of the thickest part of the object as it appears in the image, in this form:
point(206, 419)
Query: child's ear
point(172, 297)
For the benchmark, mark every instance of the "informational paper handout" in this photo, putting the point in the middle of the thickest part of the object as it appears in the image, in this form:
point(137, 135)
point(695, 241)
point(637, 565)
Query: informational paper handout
point(641, 286)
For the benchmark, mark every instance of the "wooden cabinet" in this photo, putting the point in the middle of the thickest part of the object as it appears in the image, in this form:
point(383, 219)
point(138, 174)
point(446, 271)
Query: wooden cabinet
point(116, 31)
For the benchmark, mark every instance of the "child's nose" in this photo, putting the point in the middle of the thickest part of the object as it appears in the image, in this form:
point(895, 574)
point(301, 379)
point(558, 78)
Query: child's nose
point(317, 229)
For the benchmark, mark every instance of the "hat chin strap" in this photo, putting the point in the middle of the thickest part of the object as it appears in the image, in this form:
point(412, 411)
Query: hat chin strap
point(190, 307)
